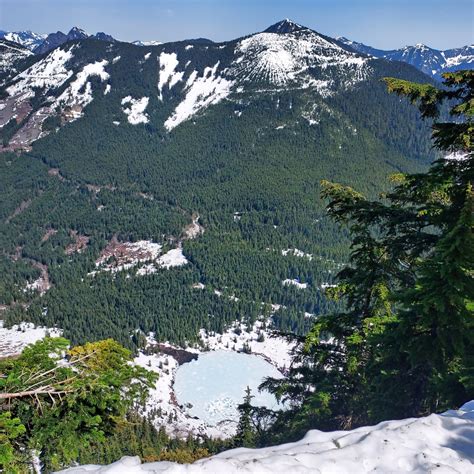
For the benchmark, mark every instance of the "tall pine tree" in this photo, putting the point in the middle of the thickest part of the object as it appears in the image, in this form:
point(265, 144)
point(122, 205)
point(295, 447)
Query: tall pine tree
point(403, 345)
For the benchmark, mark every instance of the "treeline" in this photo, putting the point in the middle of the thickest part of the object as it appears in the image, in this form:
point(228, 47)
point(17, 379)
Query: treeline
point(403, 344)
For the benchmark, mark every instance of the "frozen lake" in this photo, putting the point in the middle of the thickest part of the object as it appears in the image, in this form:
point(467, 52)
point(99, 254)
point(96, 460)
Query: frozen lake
point(215, 384)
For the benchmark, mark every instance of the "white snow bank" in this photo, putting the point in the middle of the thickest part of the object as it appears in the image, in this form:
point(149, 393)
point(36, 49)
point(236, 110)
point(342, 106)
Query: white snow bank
point(173, 258)
point(79, 91)
point(168, 64)
point(14, 340)
point(295, 282)
point(136, 110)
point(436, 444)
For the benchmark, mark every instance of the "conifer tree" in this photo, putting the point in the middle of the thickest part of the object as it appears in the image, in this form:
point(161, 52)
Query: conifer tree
point(404, 343)
point(245, 436)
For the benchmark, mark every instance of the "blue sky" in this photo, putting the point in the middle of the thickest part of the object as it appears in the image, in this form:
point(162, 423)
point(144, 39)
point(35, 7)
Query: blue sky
point(380, 23)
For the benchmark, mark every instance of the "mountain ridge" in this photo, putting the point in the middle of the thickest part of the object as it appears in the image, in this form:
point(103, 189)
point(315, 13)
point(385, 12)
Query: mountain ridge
point(431, 61)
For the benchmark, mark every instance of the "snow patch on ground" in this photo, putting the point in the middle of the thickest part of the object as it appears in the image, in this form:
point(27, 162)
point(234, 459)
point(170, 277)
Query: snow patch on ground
point(168, 64)
point(14, 340)
point(297, 253)
point(457, 156)
point(436, 443)
point(79, 92)
point(201, 92)
point(120, 256)
point(135, 111)
point(294, 282)
point(172, 258)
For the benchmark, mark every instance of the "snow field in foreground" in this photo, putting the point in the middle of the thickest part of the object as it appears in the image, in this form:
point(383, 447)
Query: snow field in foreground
point(437, 444)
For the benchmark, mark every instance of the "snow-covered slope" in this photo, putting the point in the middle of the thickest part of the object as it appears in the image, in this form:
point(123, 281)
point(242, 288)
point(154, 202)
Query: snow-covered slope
point(57, 83)
point(431, 61)
point(437, 443)
point(13, 340)
point(286, 55)
point(10, 54)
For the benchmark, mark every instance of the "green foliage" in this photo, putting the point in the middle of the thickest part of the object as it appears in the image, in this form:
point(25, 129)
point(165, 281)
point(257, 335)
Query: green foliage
point(11, 431)
point(245, 436)
point(404, 343)
point(60, 408)
point(137, 436)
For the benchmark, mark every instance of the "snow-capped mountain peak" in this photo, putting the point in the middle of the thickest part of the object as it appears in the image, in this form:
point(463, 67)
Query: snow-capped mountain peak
point(285, 26)
point(54, 40)
point(284, 54)
point(26, 38)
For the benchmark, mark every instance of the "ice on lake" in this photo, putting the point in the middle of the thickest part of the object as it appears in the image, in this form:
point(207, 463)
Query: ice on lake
point(214, 384)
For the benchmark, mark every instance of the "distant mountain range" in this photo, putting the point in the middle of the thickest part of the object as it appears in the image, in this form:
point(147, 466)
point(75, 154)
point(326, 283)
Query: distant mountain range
point(40, 44)
point(136, 143)
point(431, 61)
point(27, 38)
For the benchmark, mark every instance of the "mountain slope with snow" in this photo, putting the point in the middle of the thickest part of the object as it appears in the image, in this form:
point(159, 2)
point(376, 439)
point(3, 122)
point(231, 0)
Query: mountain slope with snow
point(431, 61)
point(191, 76)
point(132, 141)
point(437, 444)
point(11, 54)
